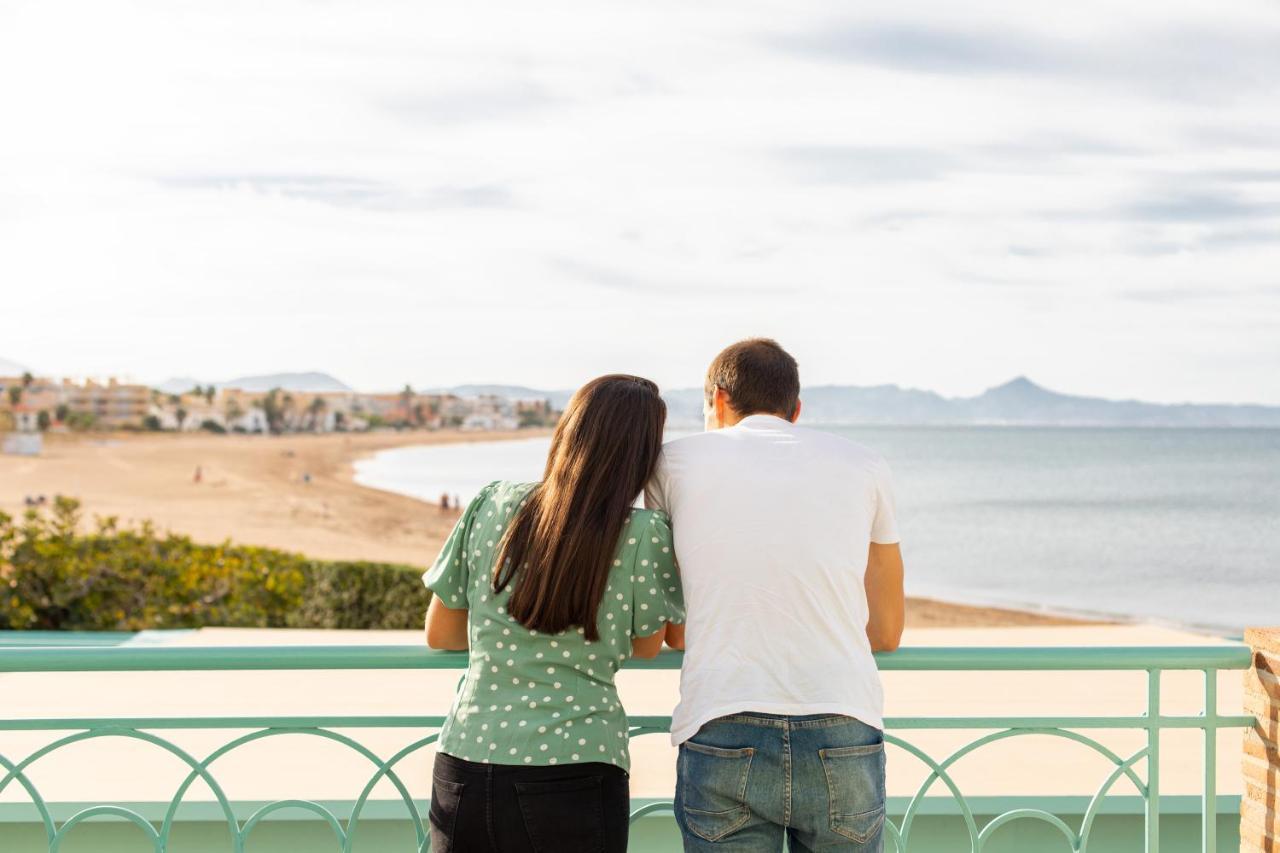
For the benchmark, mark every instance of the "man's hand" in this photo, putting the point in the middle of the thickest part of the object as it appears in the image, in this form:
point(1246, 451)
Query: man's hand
point(885, 597)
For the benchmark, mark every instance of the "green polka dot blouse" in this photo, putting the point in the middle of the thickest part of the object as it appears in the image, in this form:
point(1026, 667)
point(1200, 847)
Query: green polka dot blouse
point(542, 699)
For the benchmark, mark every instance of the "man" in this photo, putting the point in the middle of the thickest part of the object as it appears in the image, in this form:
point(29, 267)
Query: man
point(787, 546)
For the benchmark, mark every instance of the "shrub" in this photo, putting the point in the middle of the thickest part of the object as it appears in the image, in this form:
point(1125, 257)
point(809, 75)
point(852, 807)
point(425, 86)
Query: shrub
point(361, 595)
point(54, 577)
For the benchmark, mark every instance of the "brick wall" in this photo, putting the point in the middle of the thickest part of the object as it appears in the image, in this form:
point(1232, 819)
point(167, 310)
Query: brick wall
point(1260, 806)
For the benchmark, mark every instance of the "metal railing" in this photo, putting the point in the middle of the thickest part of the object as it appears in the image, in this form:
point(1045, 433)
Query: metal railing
point(1154, 661)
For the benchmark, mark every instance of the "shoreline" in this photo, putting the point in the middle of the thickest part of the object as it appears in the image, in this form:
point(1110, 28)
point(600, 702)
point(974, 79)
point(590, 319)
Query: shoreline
point(253, 491)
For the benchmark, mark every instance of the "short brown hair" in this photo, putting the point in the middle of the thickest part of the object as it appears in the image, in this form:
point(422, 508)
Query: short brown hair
point(758, 375)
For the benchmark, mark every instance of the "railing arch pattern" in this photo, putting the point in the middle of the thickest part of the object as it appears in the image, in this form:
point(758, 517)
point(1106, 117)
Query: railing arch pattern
point(1207, 659)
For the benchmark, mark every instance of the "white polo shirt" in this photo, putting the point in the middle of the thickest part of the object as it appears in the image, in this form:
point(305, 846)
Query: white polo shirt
point(772, 525)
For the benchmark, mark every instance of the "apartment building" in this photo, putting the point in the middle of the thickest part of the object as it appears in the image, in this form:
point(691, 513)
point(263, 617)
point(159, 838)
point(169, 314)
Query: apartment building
point(113, 404)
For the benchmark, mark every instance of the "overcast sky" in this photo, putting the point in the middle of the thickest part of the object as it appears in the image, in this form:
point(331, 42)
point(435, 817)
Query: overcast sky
point(938, 195)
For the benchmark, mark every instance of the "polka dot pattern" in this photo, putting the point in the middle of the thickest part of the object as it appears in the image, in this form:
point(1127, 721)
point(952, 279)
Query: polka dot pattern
point(548, 699)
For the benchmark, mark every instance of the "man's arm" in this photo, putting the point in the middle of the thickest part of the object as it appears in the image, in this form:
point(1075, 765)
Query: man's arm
point(446, 627)
point(885, 598)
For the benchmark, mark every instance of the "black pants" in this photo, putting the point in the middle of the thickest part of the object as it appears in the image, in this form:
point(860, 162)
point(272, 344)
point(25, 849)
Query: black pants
point(504, 808)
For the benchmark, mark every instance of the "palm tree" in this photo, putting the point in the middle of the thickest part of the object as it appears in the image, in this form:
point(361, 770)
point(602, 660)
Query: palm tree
point(27, 379)
point(317, 406)
point(406, 400)
point(15, 395)
point(272, 409)
point(181, 415)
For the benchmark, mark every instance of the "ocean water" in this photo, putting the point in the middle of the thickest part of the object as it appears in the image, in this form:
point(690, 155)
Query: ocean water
point(1180, 526)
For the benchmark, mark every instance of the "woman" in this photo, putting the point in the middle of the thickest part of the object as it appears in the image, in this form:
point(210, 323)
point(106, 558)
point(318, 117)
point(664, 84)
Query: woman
point(552, 586)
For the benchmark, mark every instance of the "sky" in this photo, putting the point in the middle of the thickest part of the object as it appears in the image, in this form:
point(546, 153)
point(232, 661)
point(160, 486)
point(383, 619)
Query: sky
point(936, 195)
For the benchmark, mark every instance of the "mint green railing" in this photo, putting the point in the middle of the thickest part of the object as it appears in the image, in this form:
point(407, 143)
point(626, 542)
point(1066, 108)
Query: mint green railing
point(1154, 661)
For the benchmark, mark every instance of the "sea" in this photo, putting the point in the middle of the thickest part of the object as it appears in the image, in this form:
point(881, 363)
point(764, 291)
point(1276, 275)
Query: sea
point(1173, 526)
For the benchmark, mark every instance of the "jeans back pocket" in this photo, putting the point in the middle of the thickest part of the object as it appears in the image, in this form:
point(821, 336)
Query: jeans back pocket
point(855, 790)
point(714, 782)
point(442, 815)
point(564, 816)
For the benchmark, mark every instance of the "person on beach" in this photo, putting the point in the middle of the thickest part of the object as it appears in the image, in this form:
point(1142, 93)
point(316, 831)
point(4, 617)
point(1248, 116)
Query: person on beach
point(551, 587)
point(791, 571)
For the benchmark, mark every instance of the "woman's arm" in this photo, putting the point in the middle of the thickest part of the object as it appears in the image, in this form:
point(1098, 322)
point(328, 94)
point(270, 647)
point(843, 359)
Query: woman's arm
point(650, 646)
point(446, 627)
point(885, 599)
point(647, 647)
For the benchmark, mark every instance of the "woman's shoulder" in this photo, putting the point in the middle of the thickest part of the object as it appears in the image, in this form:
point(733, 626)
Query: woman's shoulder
point(654, 520)
point(503, 492)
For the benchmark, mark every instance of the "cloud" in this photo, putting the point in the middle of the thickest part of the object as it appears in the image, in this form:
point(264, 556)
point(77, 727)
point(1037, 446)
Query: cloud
point(469, 106)
point(1177, 62)
point(1195, 206)
point(928, 49)
point(1244, 176)
point(1235, 135)
point(610, 278)
point(857, 164)
point(345, 191)
point(1181, 203)
point(1242, 238)
point(1195, 294)
point(1040, 148)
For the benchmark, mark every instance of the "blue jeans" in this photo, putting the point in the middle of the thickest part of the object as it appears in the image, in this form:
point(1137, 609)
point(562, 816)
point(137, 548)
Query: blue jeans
point(746, 781)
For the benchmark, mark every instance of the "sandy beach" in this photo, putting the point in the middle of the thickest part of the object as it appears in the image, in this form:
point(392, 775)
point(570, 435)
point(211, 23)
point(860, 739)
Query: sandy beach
point(255, 490)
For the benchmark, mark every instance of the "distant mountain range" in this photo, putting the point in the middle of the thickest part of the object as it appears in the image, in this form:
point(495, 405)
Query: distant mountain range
point(1016, 402)
point(12, 368)
point(309, 382)
point(1019, 402)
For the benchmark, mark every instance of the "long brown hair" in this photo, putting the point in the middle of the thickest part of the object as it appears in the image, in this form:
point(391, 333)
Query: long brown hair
point(563, 540)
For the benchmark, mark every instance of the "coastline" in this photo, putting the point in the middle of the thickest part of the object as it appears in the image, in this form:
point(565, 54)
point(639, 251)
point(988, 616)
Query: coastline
point(253, 490)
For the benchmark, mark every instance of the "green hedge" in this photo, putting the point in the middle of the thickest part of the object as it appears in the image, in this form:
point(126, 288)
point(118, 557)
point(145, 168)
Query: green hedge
point(54, 577)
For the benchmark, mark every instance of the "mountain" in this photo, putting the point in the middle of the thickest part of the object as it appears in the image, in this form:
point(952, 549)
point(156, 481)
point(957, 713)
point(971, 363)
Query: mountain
point(12, 368)
point(1019, 402)
point(178, 385)
point(512, 392)
point(312, 381)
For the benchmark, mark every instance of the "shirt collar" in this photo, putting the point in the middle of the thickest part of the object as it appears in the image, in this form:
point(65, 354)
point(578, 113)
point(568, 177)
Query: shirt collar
point(759, 421)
